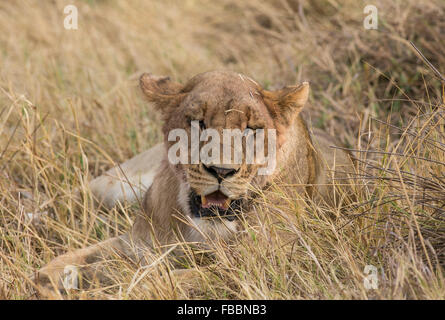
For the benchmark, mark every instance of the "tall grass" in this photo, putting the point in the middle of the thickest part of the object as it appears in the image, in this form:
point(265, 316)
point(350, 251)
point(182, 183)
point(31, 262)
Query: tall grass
point(70, 109)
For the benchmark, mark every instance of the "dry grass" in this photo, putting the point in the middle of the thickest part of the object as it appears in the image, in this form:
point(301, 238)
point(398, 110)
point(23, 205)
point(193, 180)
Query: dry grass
point(70, 109)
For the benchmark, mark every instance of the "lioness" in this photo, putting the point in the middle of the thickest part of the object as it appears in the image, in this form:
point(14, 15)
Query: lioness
point(193, 201)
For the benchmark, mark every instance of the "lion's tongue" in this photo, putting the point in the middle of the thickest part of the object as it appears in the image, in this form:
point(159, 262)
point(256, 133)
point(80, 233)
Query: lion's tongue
point(217, 199)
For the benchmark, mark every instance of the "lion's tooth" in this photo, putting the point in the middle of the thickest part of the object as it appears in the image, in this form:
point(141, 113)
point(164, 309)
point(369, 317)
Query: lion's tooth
point(227, 203)
point(203, 201)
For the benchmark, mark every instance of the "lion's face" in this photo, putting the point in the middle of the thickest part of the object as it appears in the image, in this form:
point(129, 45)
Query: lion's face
point(225, 112)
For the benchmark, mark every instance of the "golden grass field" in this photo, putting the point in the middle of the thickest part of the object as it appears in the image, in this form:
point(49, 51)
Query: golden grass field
point(70, 109)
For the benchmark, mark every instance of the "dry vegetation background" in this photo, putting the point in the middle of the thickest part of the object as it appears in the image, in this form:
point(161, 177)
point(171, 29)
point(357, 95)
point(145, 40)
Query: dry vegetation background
point(70, 109)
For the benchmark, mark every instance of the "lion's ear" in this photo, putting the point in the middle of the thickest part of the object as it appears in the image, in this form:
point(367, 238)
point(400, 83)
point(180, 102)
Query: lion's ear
point(160, 90)
point(286, 103)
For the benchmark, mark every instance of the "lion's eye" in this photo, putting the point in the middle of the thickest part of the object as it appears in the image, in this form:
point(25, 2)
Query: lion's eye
point(249, 130)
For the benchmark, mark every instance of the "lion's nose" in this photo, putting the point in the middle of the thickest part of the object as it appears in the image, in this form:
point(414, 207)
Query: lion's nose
point(220, 173)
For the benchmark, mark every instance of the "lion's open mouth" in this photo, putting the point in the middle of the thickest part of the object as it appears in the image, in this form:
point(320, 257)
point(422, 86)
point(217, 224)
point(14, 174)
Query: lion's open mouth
point(215, 204)
point(215, 199)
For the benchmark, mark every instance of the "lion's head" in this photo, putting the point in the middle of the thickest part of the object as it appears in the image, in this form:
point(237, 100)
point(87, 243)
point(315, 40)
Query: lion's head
point(221, 100)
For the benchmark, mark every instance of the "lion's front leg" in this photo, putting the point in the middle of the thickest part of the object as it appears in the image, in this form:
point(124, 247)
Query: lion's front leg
point(69, 270)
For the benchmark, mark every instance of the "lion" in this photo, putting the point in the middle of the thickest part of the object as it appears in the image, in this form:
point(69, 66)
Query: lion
point(193, 202)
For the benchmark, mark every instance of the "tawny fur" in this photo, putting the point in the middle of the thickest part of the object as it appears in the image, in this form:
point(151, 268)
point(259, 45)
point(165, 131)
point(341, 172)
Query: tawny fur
point(223, 100)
